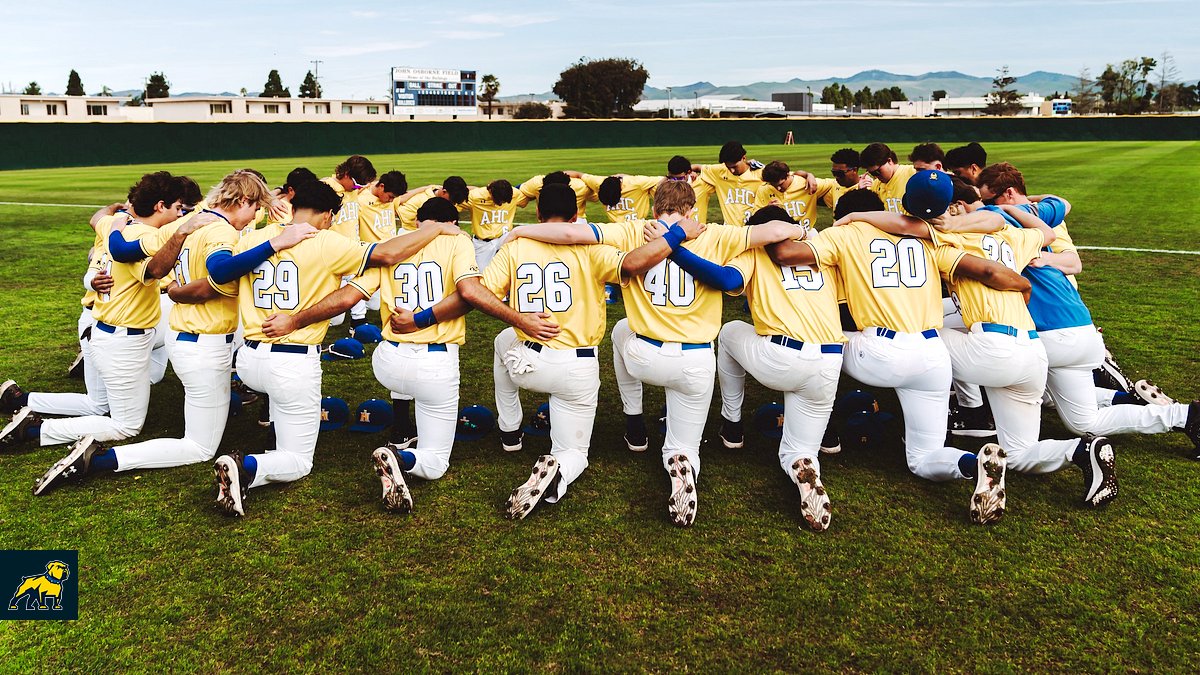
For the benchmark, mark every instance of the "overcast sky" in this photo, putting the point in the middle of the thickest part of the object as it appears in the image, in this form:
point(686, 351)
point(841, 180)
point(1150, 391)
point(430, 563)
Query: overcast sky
point(224, 45)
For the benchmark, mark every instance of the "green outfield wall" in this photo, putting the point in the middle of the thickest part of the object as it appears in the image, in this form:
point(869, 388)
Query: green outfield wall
point(28, 145)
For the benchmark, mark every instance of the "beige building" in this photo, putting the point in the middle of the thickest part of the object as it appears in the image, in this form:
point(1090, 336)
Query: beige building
point(51, 108)
point(264, 109)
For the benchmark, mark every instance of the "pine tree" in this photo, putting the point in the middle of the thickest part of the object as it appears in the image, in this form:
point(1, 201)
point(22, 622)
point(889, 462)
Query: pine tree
point(1004, 100)
point(310, 88)
point(157, 86)
point(274, 87)
point(74, 84)
point(33, 89)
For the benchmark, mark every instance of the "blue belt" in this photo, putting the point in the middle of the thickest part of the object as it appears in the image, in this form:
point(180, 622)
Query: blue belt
point(889, 333)
point(193, 337)
point(1007, 330)
point(433, 346)
point(286, 349)
point(109, 328)
point(793, 343)
point(686, 345)
point(582, 352)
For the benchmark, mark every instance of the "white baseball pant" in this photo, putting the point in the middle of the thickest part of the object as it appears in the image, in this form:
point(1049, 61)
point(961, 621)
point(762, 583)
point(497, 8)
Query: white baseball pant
point(1073, 354)
point(1013, 370)
point(94, 402)
point(122, 361)
point(573, 382)
point(807, 377)
point(203, 367)
point(293, 383)
point(359, 310)
point(430, 378)
point(341, 318)
point(485, 250)
point(918, 368)
point(686, 376)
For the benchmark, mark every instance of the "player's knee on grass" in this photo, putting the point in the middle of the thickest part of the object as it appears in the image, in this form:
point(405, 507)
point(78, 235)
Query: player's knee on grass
point(430, 466)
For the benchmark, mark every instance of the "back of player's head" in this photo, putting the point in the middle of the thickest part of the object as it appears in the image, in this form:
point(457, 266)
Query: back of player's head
point(678, 165)
point(256, 172)
point(928, 153)
point(847, 156)
point(153, 188)
point(857, 200)
point(394, 182)
point(456, 189)
point(438, 210)
point(501, 191)
point(316, 196)
point(357, 167)
point(239, 186)
point(556, 178)
point(775, 172)
point(674, 197)
point(876, 154)
point(1000, 177)
point(966, 155)
point(189, 191)
point(298, 175)
point(768, 213)
point(557, 201)
point(963, 191)
point(731, 153)
point(609, 193)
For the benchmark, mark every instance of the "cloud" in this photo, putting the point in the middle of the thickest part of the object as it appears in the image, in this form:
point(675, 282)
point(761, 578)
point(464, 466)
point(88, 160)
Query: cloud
point(468, 34)
point(365, 14)
point(364, 48)
point(508, 20)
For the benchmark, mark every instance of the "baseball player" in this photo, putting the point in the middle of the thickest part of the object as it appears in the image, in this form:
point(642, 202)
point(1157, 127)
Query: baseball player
point(533, 187)
point(966, 161)
point(927, 156)
point(844, 168)
point(349, 180)
point(884, 176)
point(493, 211)
point(895, 298)
point(624, 196)
point(203, 321)
point(454, 189)
point(125, 319)
point(734, 183)
point(289, 371)
point(1000, 349)
point(798, 197)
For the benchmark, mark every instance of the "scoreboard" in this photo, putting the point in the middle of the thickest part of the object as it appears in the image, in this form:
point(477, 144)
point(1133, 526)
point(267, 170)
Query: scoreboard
point(433, 91)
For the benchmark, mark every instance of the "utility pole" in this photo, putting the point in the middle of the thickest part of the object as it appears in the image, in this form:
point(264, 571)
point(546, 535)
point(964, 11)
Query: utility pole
point(669, 113)
point(317, 75)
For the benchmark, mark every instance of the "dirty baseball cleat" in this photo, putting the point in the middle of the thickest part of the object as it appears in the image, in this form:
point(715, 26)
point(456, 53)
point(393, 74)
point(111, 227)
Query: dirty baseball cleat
point(75, 370)
point(1191, 427)
point(71, 468)
point(231, 485)
point(403, 443)
point(636, 438)
point(831, 442)
point(1110, 376)
point(972, 422)
point(988, 500)
point(10, 394)
point(17, 430)
point(1151, 393)
point(1099, 470)
point(512, 441)
point(528, 494)
point(396, 496)
point(682, 504)
point(732, 434)
point(814, 501)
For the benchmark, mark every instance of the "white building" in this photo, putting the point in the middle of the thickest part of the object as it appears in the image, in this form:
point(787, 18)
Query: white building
point(718, 105)
point(973, 106)
point(53, 108)
point(265, 109)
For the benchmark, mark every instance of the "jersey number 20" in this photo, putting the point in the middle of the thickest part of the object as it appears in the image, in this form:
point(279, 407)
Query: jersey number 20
point(896, 263)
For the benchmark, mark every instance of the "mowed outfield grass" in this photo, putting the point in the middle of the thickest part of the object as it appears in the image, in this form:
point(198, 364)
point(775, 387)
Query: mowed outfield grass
point(318, 577)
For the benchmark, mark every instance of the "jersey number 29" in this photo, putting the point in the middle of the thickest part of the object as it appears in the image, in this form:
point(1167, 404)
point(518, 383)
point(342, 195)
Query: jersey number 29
point(277, 286)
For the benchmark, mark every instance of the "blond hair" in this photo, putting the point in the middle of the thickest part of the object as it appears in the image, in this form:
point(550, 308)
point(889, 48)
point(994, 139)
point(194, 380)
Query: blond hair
point(239, 186)
point(674, 196)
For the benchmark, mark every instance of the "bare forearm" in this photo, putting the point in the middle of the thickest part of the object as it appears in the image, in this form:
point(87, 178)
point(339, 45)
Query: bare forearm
point(791, 253)
point(1067, 262)
point(401, 247)
point(485, 301)
point(638, 261)
point(163, 261)
point(193, 293)
point(977, 222)
point(556, 233)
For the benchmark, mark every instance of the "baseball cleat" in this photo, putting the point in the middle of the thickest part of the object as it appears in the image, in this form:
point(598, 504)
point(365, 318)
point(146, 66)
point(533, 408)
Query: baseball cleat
point(17, 430)
point(396, 496)
point(1151, 393)
point(75, 370)
point(405, 443)
point(814, 501)
point(246, 394)
point(1191, 428)
point(1099, 471)
point(71, 468)
point(636, 438)
point(512, 441)
point(1110, 376)
point(528, 494)
point(264, 413)
point(637, 444)
point(831, 442)
point(9, 393)
point(972, 422)
point(682, 504)
point(987, 502)
point(231, 490)
point(731, 434)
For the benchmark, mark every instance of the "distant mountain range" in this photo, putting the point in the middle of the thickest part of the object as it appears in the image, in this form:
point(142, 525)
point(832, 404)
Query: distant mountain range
point(915, 86)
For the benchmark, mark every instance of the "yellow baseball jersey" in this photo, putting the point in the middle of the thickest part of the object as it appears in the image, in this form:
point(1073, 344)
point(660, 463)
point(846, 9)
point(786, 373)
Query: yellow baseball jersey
point(376, 219)
point(892, 191)
point(798, 301)
point(835, 192)
point(133, 301)
point(533, 187)
point(218, 315)
point(407, 212)
point(637, 193)
point(103, 227)
point(420, 282)
point(345, 222)
point(796, 200)
point(489, 220)
point(735, 193)
point(889, 281)
point(666, 303)
point(1012, 247)
point(333, 182)
point(566, 282)
point(295, 279)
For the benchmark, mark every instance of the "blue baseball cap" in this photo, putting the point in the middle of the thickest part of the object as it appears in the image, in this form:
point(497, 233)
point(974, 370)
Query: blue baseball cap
point(928, 194)
point(334, 413)
point(768, 421)
point(343, 350)
point(368, 333)
point(372, 416)
point(855, 401)
point(474, 422)
point(539, 421)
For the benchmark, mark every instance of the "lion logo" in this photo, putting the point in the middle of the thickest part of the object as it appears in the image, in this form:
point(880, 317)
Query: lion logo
point(42, 591)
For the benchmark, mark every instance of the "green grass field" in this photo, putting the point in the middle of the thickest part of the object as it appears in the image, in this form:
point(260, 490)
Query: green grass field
point(318, 577)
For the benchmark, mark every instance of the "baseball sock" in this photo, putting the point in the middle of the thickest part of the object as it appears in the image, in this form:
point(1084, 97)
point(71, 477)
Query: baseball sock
point(1124, 398)
point(635, 426)
point(967, 464)
point(402, 424)
point(33, 433)
point(407, 460)
point(103, 460)
point(21, 401)
point(1080, 457)
point(250, 466)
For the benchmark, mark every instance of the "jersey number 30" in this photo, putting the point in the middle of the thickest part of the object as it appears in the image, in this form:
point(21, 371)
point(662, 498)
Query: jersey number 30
point(277, 286)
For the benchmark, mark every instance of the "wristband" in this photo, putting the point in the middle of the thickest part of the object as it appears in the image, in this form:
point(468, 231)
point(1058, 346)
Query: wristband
point(674, 236)
point(424, 318)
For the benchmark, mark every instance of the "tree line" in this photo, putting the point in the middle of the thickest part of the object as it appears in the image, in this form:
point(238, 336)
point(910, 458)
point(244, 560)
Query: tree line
point(157, 86)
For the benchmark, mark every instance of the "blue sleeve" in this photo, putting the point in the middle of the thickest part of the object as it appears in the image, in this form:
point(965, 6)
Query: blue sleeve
point(124, 251)
point(723, 278)
point(1051, 210)
point(224, 267)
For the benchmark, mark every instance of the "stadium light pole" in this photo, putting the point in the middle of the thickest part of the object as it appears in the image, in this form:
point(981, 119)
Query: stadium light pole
point(669, 112)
